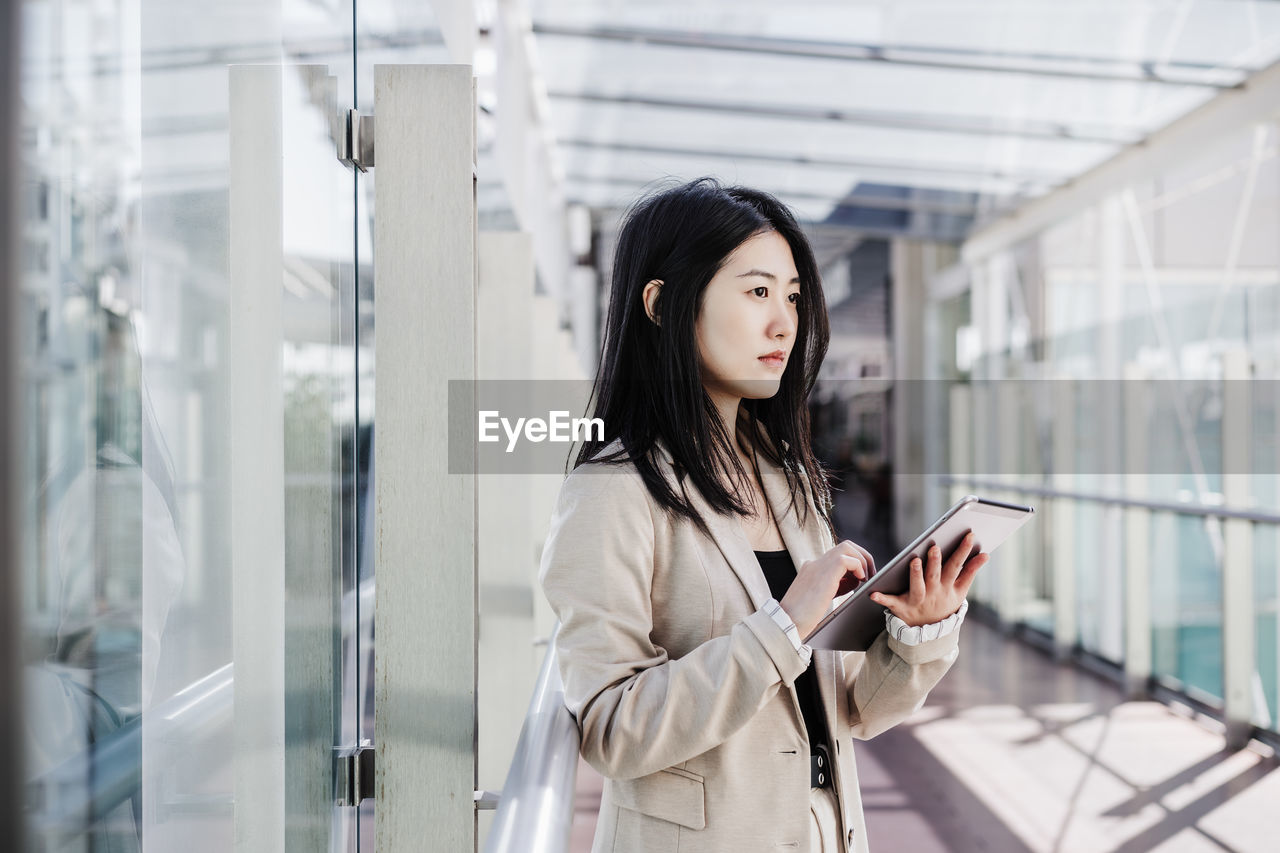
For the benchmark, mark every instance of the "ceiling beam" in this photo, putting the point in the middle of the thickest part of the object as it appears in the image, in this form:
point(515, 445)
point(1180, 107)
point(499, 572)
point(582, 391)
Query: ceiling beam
point(977, 126)
point(1097, 68)
point(1042, 179)
point(218, 56)
point(847, 200)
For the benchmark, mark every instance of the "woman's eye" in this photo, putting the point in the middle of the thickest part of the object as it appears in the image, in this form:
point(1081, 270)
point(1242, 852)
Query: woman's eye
point(763, 292)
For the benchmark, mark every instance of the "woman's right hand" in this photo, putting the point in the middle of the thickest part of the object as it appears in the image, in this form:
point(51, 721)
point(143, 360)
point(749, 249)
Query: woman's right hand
point(819, 581)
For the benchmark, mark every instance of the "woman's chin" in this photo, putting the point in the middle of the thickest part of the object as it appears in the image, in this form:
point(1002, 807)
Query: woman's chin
point(758, 389)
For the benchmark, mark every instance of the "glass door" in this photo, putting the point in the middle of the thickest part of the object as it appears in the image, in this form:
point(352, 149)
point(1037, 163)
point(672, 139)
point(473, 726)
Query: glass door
point(194, 448)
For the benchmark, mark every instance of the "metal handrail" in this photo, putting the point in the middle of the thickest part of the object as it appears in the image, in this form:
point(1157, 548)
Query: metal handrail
point(87, 787)
point(535, 809)
point(1207, 510)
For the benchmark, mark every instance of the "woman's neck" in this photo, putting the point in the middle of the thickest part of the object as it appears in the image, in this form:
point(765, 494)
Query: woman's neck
point(729, 408)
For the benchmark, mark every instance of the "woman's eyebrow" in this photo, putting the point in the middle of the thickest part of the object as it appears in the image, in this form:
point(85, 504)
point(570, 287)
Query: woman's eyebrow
point(767, 275)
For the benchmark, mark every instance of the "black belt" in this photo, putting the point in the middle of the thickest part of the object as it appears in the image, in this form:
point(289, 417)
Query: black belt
point(819, 767)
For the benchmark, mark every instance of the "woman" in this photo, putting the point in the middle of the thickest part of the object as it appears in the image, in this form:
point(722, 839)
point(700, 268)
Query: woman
point(671, 559)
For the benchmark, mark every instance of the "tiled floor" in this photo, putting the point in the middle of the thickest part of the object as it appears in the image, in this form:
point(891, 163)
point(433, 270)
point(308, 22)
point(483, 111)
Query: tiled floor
point(1016, 753)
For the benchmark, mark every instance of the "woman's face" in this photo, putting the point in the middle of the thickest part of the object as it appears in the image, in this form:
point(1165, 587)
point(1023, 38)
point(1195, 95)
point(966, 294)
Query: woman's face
point(749, 310)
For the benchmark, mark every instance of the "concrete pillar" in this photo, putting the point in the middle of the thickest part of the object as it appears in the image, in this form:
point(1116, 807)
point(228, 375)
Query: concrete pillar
point(256, 429)
point(425, 667)
point(507, 660)
point(909, 295)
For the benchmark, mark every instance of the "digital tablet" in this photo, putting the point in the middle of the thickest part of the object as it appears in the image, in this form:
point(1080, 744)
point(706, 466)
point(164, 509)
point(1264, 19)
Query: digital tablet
point(857, 620)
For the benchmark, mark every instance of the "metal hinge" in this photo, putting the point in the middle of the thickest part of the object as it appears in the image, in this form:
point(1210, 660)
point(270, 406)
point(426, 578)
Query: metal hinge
point(353, 772)
point(355, 144)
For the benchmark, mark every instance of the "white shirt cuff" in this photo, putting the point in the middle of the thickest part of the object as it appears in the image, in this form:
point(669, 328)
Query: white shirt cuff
point(914, 635)
point(779, 616)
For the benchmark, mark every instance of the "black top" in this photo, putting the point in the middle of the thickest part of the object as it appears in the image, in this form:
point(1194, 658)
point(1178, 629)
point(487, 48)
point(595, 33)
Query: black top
point(780, 571)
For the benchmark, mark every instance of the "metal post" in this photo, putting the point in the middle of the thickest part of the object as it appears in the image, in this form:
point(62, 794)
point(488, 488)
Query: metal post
point(1239, 613)
point(1014, 568)
point(425, 529)
point(1137, 529)
point(1061, 523)
point(931, 379)
point(963, 409)
point(1107, 591)
point(11, 828)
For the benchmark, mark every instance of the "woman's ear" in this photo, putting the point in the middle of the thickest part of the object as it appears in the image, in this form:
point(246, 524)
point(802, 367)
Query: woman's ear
point(650, 298)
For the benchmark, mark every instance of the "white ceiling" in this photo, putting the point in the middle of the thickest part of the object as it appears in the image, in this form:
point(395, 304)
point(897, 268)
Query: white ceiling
point(994, 102)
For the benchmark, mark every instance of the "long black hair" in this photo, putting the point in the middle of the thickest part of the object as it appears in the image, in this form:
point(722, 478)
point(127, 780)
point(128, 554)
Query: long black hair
point(649, 384)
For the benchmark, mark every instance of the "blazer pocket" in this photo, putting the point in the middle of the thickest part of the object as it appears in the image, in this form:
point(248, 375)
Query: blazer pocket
point(673, 795)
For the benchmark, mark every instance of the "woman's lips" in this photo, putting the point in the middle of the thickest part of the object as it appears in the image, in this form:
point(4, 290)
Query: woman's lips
point(773, 362)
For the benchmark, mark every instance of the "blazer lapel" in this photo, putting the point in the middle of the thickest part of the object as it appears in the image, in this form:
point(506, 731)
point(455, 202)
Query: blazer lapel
point(727, 534)
point(802, 543)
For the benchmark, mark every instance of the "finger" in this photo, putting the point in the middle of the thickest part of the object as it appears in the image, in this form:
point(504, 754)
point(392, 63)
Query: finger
point(965, 578)
point(957, 558)
point(915, 593)
point(855, 565)
point(933, 566)
point(893, 603)
point(869, 562)
point(847, 584)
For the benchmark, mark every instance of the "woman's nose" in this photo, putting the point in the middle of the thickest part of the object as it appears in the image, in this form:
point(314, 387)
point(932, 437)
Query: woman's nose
point(783, 320)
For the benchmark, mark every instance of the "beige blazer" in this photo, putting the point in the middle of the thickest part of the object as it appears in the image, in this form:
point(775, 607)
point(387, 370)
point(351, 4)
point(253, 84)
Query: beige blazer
point(682, 686)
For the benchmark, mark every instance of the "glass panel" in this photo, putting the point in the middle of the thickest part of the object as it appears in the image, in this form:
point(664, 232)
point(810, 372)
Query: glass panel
point(128, 615)
point(319, 455)
point(1186, 609)
point(1035, 587)
point(1089, 569)
point(1266, 587)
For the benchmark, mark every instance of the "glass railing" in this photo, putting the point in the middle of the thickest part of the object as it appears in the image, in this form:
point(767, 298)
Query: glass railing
point(1209, 615)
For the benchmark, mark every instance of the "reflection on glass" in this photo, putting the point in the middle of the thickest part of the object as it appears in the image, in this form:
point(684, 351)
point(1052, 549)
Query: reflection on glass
point(1187, 602)
point(127, 615)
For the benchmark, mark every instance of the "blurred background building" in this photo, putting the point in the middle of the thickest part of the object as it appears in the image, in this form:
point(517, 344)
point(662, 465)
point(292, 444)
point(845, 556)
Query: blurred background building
point(1049, 235)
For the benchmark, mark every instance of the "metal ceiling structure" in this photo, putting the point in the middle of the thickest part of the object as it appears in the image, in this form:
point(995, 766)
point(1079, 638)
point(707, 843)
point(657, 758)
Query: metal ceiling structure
point(915, 117)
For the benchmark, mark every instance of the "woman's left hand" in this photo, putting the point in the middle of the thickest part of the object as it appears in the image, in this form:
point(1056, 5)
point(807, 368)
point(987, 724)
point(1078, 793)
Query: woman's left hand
point(937, 590)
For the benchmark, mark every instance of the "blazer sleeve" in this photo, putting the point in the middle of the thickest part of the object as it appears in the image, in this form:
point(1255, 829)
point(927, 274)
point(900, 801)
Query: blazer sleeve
point(891, 680)
point(639, 711)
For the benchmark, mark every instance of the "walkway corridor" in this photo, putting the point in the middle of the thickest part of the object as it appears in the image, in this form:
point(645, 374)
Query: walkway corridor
point(1016, 753)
